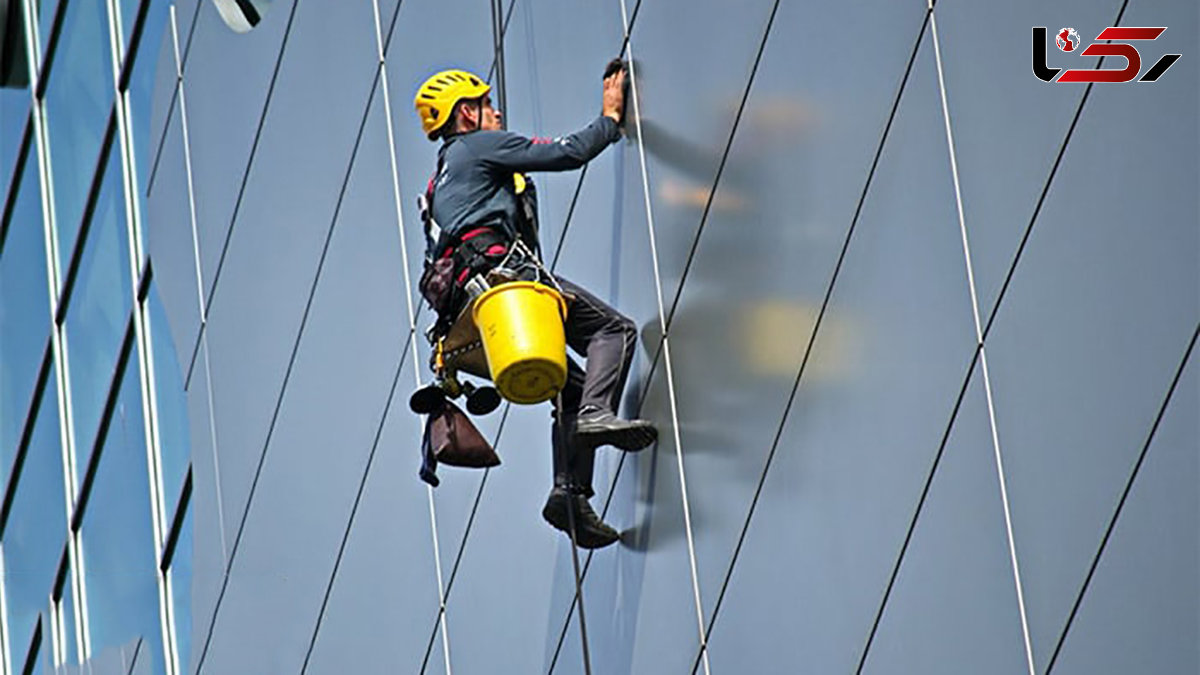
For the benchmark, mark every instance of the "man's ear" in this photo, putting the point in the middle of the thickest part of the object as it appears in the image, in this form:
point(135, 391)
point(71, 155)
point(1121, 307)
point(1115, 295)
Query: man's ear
point(469, 116)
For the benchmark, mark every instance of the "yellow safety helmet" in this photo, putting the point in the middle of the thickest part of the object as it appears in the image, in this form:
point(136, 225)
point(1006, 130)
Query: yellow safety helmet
point(436, 98)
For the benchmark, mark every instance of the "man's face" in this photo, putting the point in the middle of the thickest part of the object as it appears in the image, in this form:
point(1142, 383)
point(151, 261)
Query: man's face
point(490, 117)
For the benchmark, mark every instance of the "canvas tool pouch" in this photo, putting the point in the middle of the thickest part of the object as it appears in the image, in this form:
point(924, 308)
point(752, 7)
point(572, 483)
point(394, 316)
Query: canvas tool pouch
point(455, 441)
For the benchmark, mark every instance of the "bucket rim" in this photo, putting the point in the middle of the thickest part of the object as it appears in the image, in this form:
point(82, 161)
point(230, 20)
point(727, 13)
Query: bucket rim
point(518, 285)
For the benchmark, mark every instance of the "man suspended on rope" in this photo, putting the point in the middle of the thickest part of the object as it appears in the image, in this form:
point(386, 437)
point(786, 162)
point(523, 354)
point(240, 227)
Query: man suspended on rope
point(479, 204)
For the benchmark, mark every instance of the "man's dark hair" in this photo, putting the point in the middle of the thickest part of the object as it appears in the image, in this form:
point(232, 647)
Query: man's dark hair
point(451, 126)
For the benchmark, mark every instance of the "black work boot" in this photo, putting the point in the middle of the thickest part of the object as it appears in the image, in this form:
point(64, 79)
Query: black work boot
point(590, 531)
point(600, 427)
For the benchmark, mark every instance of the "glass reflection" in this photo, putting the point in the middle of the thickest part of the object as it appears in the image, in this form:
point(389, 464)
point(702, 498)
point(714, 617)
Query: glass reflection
point(78, 100)
point(181, 588)
point(36, 529)
point(118, 536)
point(98, 313)
point(174, 434)
point(14, 95)
point(24, 314)
point(14, 113)
point(46, 10)
point(141, 87)
point(66, 606)
point(129, 10)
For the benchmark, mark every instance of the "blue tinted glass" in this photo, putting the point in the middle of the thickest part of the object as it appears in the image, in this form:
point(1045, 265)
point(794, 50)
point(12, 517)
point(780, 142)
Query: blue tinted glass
point(181, 588)
point(98, 313)
point(78, 102)
point(46, 10)
point(37, 528)
point(174, 434)
point(14, 113)
point(67, 607)
point(14, 97)
point(118, 535)
point(24, 314)
point(129, 10)
point(141, 86)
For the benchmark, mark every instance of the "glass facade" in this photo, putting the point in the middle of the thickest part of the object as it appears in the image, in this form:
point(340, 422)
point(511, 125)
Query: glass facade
point(86, 584)
point(918, 330)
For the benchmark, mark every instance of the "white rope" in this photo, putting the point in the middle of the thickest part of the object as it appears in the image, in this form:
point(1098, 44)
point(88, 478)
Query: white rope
point(687, 514)
point(987, 384)
point(412, 321)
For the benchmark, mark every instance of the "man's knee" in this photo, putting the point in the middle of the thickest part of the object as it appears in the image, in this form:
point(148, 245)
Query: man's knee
point(626, 327)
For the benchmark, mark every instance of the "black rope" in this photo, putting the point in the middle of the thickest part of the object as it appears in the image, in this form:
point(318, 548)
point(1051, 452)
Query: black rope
point(291, 365)
point(978, 352)
point(362, 484)
point(1112, 523)
point(237, 205)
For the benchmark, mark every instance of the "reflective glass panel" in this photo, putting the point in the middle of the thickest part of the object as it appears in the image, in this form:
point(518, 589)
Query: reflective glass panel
point(78, 101)
point(24, 314)
point(14, 95)
point(67, 609)
point(46, 10)
point(129, 10)
point(181, 589)
point(141, 86)
point(98, 313)
point(37, 528)
point(14, 113)
point(118, 535)
point(173, 430)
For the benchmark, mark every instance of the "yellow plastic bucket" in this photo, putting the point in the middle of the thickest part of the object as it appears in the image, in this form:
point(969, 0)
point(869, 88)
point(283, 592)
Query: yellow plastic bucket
point(521, 325)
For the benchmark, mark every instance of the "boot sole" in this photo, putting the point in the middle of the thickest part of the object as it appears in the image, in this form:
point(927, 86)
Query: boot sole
point(629, 439)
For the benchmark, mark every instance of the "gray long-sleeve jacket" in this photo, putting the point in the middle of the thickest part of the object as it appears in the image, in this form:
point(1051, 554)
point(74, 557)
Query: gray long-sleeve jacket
point(474, 186)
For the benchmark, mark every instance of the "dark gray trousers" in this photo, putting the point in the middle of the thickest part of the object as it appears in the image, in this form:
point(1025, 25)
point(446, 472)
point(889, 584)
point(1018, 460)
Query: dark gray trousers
point(608, 339)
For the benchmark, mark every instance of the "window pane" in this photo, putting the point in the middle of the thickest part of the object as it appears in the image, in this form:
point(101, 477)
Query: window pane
point(174, 433)
point(14, 114)
point(24, 314)
point(141, 87)
point(129, 10)
point(98, 313)
point(14, 93)
point(37, 528)
point(67, 607)
point(45, 11)
point(78, 102)
point(118, 536)
point(181, 588)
